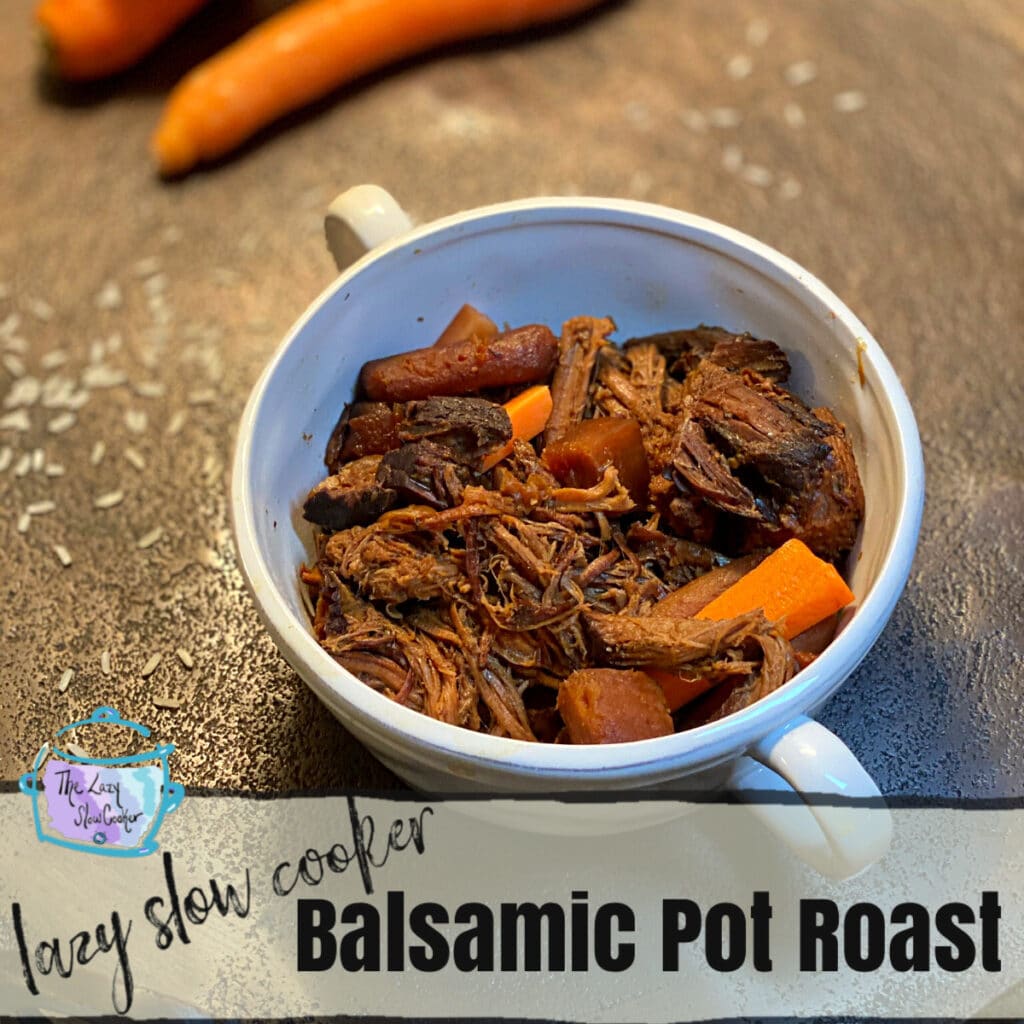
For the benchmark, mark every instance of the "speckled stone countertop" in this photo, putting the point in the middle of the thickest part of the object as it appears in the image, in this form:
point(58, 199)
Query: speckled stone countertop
point(876, 143)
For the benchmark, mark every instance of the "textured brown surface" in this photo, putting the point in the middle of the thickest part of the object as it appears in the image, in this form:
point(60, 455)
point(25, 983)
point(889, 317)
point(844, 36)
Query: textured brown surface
point(910, 208)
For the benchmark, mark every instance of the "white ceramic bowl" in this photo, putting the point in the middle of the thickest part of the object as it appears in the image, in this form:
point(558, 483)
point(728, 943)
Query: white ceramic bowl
point(545, 260)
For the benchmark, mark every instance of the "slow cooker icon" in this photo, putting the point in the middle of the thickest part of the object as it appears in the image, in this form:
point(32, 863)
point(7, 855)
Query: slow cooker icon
point(111, 806)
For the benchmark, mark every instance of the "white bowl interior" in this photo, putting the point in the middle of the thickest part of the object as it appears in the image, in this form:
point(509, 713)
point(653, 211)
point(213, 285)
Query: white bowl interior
point(545, 261)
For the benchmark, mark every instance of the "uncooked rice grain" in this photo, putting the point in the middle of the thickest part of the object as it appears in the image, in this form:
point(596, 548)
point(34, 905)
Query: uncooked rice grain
point(147, 540)
point(63, 555)
point(59, 424)
point(176, 422)
point(99, 375)
point(54, 469)
point(99, 449)
point(40, 508)
point(109, 499)
point(167, 703)
point(135, 420)
point(732, 158)
point(53, 359)
point(109, 296)
point(105, 663)
point(23, 465)
point(65, 679)
point(755, 174)
point(24, 522)
point(41, 310)
point(151, 665)
point(145, 267)
point(724, 117)
point(793, 115)
point(184, 657)
point(24, 391)
point(38, 460)
point(801, 72)
point(17, 420)
point(13, 365)
point(739, 67)
point(758, 31)
point(136, 460)
point(849, 102)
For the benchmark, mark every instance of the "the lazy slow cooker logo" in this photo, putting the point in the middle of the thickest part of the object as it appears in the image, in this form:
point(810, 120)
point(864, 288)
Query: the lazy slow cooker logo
point(108, 805)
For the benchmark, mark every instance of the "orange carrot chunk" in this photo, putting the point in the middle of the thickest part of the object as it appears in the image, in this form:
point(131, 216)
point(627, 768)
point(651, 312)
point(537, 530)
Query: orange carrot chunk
point(792, 586)
point(469, 322)
point(609, 705)
point(92, 38)
point(311, 48)
point(584, 450)
point(679, 688)
point(529, 412)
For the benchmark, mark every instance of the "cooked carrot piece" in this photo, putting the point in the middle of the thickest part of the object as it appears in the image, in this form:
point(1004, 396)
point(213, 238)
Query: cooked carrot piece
point(529, 412)
point(690, 598)
point(469, 322)
point(792, 586)
point(522, 355)
point(679, 688)
point(92, 38)
point(311, 48)
point(581, 454)
point(608, 705)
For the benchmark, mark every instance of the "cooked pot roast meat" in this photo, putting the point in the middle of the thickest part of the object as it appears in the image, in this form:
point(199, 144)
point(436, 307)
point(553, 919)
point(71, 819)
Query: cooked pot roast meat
point(543, 579)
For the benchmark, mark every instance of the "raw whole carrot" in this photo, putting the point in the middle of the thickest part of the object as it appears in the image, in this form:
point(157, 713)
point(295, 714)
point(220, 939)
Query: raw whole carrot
point(92, 38)
point(311, 48)
point(793, 587)
point(529, 412)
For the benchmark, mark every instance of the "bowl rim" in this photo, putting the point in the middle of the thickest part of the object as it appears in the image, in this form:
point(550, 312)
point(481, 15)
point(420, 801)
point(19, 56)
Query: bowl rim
point(713, 742)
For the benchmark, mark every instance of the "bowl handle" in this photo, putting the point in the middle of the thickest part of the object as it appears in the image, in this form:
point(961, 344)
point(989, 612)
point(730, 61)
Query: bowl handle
point(360, 219)
point(836, 838)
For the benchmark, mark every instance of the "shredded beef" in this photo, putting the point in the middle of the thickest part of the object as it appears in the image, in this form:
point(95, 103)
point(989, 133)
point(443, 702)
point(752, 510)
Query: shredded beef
point(472, 596)
point(581, 342)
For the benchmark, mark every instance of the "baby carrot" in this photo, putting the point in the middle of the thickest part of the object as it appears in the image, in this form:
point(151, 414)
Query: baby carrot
point(315, 46)
point(529, 412)
point(792, 585)
point(92, 38)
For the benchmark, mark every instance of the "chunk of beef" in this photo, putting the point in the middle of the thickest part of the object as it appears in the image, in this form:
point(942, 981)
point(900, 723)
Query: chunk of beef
point(350, 496)
point(364, 428)
point(582, 340)
point(425, 473)
point(685, 349)
point(753, 450)
point(469, 427)
point(826, 515)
